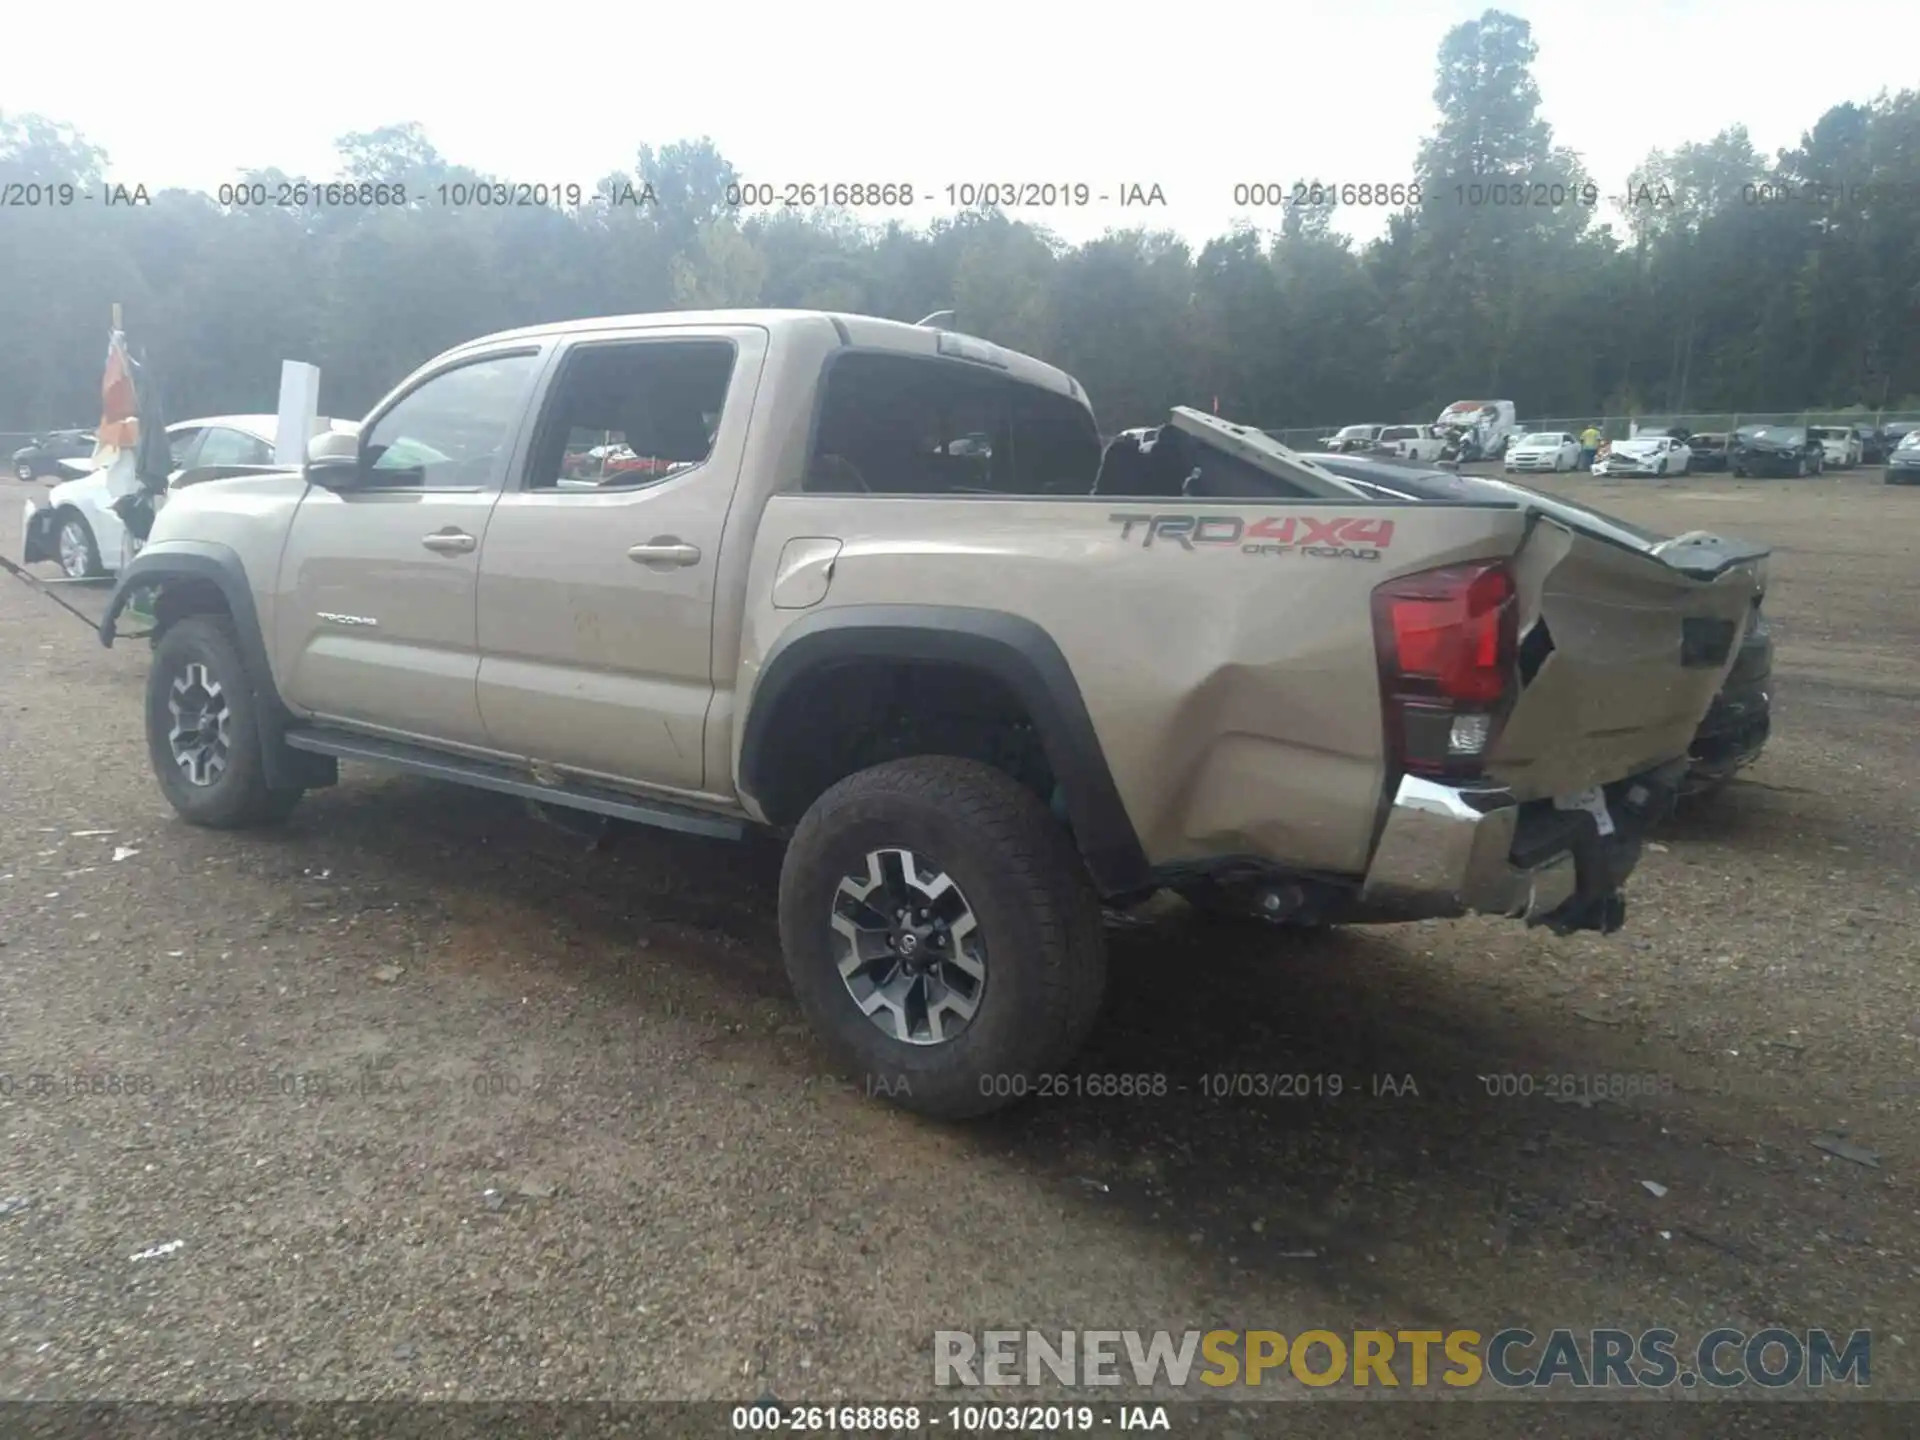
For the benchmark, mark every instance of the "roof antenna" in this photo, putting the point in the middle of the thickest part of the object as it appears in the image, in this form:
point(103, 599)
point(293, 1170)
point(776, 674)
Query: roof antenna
point(938, 320)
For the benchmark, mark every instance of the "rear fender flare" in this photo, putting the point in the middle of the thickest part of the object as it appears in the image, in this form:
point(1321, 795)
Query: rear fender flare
point(1015, 651)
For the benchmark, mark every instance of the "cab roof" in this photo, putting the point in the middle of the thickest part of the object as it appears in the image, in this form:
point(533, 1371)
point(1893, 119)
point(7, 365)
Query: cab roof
point(866, 331)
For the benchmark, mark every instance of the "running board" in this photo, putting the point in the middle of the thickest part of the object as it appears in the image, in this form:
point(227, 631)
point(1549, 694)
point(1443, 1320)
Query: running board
point(486, 775)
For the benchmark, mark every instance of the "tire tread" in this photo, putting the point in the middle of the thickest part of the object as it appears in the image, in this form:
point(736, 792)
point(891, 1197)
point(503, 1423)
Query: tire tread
point(1009, 821)
point(249, 803)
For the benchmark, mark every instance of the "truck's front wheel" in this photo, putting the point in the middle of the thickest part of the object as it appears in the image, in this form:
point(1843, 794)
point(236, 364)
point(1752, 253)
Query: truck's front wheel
point(203, 729)
point(941, 933)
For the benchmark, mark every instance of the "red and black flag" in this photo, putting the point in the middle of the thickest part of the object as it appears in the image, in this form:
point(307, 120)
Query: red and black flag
point(130, 415)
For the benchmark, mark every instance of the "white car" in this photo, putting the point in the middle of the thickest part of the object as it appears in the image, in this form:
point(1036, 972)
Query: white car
point(1842, 444)
point(86, 537)
point(1544, 450)
point(1645, 455)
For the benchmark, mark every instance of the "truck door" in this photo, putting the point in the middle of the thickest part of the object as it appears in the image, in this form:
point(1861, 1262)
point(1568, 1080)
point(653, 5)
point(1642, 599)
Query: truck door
point(596, 591)
point(375, 612)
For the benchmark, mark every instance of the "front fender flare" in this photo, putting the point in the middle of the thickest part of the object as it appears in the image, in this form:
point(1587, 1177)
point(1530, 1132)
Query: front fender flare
point(219, 565)
point(192, 560)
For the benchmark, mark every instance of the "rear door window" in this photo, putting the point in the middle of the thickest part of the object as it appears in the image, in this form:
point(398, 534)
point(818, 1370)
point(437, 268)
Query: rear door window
point(897, 424)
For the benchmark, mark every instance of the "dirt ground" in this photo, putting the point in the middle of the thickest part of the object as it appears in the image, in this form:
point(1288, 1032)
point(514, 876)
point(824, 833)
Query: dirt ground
point(438, 1102)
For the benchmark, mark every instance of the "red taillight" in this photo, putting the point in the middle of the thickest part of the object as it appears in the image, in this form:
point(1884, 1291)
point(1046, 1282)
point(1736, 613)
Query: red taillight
point(1448, 643)
point(1451, 627)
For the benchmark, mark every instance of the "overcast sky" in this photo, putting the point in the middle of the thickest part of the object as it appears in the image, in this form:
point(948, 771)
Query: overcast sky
point(1195, 97)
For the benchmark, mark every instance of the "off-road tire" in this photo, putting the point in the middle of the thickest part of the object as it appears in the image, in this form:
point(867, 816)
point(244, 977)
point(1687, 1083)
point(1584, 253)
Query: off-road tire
point(239, 797)
point(1037, 911)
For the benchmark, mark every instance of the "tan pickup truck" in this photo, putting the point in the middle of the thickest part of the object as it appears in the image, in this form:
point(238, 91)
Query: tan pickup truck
point(881, 590)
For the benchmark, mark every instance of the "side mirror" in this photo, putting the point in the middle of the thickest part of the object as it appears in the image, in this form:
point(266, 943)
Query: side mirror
point(335, 472)
point(333, 445)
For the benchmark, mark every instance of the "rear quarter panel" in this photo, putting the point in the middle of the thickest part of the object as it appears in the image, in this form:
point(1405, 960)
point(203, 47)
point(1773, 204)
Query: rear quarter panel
point(1234, 691)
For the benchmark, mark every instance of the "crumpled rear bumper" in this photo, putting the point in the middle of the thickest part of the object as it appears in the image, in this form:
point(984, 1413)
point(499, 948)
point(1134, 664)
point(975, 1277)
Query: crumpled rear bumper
point(1731, 737)
point(1454, 850)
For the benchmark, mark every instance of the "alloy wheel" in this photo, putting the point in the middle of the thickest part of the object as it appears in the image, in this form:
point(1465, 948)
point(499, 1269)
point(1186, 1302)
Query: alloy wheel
point(200, 740)
point(909, 948)
point(75, 551)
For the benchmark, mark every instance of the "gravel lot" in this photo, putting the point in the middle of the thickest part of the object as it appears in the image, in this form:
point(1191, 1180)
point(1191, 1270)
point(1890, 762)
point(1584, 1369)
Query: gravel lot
point(541, 1121)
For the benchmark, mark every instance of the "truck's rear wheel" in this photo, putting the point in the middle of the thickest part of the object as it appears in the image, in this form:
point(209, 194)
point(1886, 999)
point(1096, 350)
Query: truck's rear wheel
point(942, 934)
point(203, 729)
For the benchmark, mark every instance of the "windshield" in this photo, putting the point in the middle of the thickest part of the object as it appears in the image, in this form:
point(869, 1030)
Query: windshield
point(1910, 441)
point(1541, 439)
point(1354, 432)
point(1784, 434)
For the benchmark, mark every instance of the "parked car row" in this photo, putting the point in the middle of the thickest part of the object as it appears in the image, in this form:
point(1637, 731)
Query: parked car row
point(1793, 450)
point(1405, 442)
point(1767, 451)
point(1466, 430)
point(1478, 430)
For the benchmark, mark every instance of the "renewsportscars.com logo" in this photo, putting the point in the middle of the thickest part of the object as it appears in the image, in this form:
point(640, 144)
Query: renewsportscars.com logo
point(1416, 1359)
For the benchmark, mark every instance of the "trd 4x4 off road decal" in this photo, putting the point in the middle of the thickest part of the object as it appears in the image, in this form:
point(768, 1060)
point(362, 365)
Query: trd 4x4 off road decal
point(1345, 537)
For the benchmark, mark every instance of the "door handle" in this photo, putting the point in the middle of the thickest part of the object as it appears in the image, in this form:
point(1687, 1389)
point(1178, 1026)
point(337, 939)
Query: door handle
point(450, 542)
point(665, 550)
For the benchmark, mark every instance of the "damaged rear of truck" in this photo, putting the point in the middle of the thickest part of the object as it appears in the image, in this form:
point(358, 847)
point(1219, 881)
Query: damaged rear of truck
point(1319, 707)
